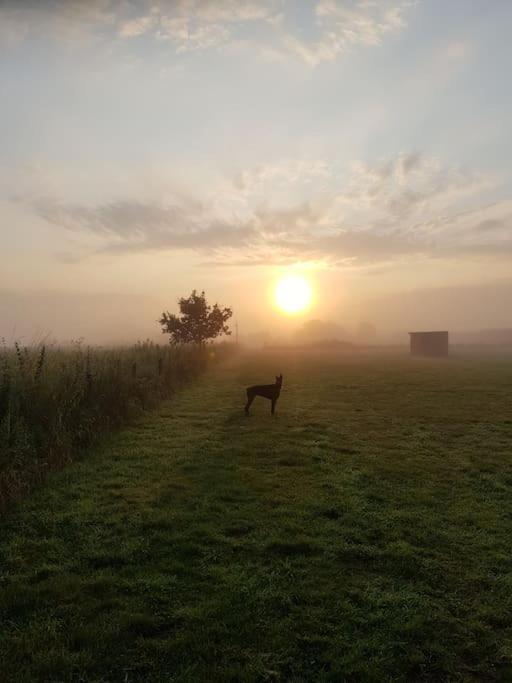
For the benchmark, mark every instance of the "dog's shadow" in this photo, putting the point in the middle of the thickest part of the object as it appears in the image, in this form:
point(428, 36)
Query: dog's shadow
point(237, 418)
point(240, 419)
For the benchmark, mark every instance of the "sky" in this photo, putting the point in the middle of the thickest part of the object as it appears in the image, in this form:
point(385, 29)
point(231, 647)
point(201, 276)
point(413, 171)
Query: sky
point(152, 148)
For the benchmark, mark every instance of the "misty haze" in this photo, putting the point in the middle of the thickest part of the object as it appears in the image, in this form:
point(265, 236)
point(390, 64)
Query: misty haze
point(255, 340)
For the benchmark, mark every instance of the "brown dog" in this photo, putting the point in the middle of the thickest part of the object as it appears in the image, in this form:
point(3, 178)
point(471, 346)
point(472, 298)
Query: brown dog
point(270, 391)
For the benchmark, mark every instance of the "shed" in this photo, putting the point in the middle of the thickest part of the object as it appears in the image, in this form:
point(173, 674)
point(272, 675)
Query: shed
point(429, 343)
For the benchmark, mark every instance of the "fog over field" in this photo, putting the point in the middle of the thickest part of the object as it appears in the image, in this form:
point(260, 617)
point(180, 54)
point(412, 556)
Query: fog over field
point(121, 318)
point(149, 148)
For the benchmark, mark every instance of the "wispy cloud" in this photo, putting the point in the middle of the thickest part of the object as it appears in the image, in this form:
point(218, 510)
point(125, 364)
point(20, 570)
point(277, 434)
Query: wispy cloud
point(198, 25)
point(136, 226)
point(343, 24)
point(340, 24)
point(410, 207)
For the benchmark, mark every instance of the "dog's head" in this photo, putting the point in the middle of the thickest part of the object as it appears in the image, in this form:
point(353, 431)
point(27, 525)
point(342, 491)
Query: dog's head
point(279, 380)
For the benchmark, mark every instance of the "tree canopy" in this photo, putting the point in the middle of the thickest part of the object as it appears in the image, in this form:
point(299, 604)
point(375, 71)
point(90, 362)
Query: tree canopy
point(197, 322)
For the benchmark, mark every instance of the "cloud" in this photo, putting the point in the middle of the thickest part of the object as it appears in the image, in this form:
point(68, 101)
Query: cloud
point(124, 226)
point(407, 207)
point(198, 25)
point(136, 27)
point(408, 186)
point(343, 24)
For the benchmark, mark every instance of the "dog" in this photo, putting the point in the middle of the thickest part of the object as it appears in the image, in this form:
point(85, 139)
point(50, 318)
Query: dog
point(270, 391)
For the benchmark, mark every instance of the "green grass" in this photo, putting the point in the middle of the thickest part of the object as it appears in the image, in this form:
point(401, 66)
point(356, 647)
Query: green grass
point(362, 534)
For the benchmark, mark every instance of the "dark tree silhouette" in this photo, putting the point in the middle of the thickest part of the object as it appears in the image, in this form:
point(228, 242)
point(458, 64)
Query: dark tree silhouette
point(197, 323)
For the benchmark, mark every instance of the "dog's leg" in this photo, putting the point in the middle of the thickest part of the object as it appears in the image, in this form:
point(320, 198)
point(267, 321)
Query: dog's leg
point(273, 406)
point(250, 399)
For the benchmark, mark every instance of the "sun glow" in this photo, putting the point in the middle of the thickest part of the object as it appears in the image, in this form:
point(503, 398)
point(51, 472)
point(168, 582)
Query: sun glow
point(293, 294)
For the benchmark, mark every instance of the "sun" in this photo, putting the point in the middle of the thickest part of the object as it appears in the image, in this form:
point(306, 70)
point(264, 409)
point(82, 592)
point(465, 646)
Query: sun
point(293, 294)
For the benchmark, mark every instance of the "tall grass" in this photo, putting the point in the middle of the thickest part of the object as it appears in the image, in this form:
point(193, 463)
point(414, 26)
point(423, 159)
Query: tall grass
point(54, 401)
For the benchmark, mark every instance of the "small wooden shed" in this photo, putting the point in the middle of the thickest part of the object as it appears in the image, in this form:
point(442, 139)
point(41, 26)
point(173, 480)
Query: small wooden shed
point(429, 343)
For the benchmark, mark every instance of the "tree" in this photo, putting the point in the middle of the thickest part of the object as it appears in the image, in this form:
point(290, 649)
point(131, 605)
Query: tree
point(197, 323)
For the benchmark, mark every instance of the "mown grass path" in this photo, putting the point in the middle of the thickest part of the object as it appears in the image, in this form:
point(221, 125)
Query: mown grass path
point(364, 533)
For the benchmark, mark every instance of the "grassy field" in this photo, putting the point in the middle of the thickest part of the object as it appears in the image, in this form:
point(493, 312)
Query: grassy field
point(362, 534)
